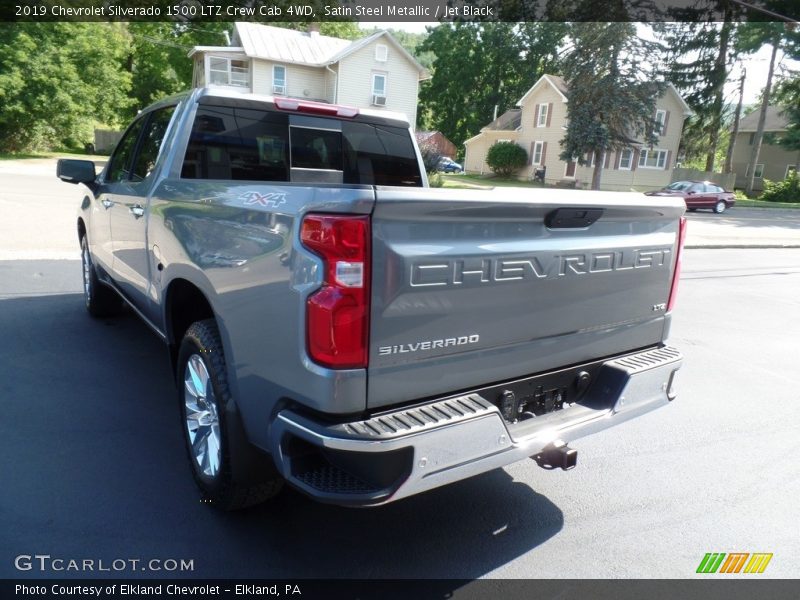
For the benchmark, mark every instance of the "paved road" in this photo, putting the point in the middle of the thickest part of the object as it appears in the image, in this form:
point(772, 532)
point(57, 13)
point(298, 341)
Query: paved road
point(94, 465)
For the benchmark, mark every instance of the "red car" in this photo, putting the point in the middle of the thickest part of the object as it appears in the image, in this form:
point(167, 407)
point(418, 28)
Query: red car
point(698, 194)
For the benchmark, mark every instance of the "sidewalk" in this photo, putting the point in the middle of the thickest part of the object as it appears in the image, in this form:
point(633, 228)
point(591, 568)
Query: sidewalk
point(744, 228)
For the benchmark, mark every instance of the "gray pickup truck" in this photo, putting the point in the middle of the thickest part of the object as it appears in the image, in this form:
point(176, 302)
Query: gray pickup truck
point(335, 323)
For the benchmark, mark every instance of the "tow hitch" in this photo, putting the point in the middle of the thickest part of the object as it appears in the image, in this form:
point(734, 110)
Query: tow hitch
point(557, 455)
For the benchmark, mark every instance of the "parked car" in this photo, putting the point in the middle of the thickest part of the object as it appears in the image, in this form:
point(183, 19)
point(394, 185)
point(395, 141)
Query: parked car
point(699, 194)
point(448, 165)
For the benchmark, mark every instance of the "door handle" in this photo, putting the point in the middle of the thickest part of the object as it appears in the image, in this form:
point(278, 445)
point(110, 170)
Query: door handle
point(137, 211)
point(107, 203)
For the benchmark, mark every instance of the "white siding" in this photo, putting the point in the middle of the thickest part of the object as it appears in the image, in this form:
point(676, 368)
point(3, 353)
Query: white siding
point(402, 85)
point(301, 81)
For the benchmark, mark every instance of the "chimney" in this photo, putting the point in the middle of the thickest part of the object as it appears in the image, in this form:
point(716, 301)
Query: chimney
point(313, 29)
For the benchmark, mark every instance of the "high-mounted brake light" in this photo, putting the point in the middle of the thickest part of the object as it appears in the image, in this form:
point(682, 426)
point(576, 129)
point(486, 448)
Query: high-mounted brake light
point(337, 315)
point(673, 291)
point(317, 108)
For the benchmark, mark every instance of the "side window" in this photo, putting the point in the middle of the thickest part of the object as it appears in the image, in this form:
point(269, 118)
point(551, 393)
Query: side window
point(697, 188)
point(119, 167)
point(379, 155)
point(237, 143)
point(153, 135)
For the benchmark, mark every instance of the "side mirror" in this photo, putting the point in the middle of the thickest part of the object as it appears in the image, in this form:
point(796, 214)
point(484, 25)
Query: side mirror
point(691, 192)
point(75, 171)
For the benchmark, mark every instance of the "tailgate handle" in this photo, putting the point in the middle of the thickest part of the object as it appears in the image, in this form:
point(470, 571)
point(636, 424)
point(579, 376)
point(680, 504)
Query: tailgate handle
point(566, 218)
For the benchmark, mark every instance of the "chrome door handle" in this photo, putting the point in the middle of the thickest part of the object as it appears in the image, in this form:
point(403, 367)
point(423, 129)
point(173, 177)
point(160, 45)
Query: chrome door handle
point(107, 203)
point(137, 211)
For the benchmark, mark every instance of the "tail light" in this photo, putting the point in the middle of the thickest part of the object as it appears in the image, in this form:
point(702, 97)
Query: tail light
point(673, 292)
point(337, 315)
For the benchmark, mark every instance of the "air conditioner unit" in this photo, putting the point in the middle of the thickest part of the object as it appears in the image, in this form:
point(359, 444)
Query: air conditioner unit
point(279, 89)
point(378, 100)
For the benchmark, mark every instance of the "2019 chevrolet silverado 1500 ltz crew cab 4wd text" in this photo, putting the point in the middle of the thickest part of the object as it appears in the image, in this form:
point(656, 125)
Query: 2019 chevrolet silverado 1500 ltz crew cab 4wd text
point(335, 323)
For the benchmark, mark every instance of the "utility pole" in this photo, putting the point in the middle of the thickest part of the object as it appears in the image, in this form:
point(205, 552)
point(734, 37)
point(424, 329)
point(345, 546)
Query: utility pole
point(735, 132)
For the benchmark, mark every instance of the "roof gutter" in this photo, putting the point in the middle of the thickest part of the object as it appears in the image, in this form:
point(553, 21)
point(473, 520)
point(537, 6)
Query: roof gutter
point(335, 83)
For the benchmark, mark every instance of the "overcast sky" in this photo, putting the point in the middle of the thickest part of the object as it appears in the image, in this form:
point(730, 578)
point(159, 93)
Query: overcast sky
point(757, 66)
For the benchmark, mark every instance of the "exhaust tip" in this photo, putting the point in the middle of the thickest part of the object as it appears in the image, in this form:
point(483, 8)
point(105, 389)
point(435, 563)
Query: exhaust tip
point(557, 455)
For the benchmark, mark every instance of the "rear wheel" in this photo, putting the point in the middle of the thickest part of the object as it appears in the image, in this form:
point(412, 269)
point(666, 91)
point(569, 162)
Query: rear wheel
point(100, 300)
point(230, 472)
point(691, 209)
point(720, 207)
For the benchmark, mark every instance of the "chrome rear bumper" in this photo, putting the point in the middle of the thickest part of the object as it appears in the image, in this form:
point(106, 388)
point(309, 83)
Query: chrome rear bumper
point(409, 451)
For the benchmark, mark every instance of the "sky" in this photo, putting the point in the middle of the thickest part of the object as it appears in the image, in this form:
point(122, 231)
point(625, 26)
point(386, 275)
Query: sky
point(757, 65)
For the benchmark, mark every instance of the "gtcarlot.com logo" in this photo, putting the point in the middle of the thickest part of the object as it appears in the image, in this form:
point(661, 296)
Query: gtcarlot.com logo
point(46, 563)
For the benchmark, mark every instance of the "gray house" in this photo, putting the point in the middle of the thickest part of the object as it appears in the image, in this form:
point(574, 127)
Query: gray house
point(774, 162)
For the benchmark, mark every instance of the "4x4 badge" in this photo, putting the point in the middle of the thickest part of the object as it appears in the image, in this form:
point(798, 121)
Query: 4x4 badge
point(270, 199)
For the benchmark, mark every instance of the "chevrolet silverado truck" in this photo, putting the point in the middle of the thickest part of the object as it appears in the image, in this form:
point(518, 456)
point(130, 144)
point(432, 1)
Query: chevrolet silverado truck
point(335, 323)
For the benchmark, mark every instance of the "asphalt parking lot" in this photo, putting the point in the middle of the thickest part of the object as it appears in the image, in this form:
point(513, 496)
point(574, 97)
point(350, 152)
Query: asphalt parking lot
point(94, 465)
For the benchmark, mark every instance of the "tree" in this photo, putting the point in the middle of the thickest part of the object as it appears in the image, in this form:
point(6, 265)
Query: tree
point(753, 36)
point(698, 57)
point(480, 67)
point(504, 158)
point(612, 93)
point(59, 80)
point(787, 94)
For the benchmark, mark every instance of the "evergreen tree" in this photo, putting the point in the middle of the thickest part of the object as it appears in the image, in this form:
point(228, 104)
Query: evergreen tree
point(612, 93)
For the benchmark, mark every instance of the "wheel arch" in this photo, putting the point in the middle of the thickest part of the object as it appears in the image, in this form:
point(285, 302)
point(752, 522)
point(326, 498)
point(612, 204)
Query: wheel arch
point(184, 303)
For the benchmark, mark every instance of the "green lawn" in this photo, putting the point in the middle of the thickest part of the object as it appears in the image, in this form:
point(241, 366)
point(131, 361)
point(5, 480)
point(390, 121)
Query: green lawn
point(763, 204)
point(67, 153)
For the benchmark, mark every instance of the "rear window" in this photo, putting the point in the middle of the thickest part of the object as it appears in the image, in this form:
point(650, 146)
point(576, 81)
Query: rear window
point(259, 145)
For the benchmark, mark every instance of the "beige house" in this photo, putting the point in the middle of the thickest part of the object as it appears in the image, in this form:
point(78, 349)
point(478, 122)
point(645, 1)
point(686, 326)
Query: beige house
point(774, 162)
point(539, 124)
point(373, 72)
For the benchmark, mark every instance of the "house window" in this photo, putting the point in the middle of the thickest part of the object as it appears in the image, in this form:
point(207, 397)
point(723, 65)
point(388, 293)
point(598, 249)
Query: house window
point(752, 138)
point(228, 71)
point(538, 148)
point(592, 159)
point(279, 79)
point(653, 159)
point(661, 116)
point(378, 89)
point(542, 120)
point(789, 170)
point(759, 171)
point(626, 159)
point(381, 53)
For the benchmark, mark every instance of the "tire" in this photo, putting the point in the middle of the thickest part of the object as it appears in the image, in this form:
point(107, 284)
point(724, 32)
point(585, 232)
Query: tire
point(720, 207)
point(691, 209)
point(230, 472)
point(100, 300)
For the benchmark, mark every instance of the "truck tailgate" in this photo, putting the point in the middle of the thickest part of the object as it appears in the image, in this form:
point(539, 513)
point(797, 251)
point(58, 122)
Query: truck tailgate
point(473, 287)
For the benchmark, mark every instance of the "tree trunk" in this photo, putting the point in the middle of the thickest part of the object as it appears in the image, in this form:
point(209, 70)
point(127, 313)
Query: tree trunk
point(719, 76)
point(598, 169)
point(761, 119)
point(735, 132)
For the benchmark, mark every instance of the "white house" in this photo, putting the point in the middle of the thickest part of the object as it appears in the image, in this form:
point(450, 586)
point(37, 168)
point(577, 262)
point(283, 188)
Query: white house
point(375, 71)
point(539, 124)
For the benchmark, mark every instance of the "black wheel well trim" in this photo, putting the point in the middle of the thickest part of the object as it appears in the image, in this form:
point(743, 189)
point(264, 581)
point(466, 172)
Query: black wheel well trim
point(177, 295)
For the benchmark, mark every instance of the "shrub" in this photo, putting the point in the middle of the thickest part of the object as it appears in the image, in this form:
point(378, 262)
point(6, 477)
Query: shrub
point(787, 190)
point(430, 157)
point(504, 158)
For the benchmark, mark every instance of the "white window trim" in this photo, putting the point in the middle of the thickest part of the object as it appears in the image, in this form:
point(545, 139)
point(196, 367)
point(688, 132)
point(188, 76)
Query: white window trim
point(644, 153)
point(228, 60)
point(756, 176)
point(540, 146)
point(630, 159)
point(659, 130)
point(285, 80)
point(385, 93)
point(543, 112)
point(602, 159)
point(789, 168)
point(381, 50)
